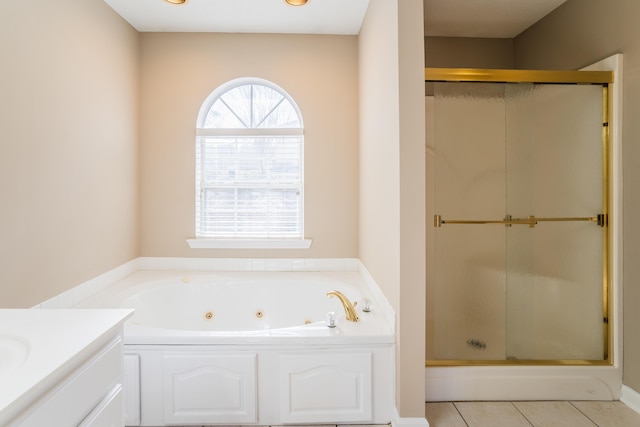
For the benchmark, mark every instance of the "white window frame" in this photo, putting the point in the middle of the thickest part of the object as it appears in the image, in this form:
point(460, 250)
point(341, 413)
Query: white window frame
point(298, 242)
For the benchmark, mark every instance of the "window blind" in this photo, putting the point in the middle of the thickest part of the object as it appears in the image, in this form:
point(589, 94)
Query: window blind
point(249, 187)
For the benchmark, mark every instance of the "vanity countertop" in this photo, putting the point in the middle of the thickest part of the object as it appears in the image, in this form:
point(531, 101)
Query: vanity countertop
point(39, 347)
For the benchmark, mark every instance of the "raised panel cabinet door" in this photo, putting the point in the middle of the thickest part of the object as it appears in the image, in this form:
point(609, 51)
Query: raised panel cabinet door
point(206, 388)
point(325, 387)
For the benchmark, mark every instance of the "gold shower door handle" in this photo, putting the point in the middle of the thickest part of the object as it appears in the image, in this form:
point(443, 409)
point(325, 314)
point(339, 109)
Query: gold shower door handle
point(531, 220)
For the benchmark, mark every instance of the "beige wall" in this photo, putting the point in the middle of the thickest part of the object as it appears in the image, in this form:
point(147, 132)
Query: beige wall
point(466, 52)
point(392, 184)
point(579, 33)
point(68, 152)
point(379, 147)
point(412, 312)
point(180, 70)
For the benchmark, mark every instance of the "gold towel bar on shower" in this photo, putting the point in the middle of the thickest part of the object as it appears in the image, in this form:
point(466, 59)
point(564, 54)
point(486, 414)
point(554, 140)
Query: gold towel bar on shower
point(531, 221)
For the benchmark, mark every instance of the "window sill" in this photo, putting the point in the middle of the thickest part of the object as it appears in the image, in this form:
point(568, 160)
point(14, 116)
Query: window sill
point(248, 244)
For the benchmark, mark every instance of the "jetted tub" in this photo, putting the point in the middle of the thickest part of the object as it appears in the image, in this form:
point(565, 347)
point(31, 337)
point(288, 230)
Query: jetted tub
point(252, 348)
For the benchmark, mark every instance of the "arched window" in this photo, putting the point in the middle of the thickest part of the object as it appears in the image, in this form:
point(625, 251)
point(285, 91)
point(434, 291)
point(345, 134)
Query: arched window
point(249, 164)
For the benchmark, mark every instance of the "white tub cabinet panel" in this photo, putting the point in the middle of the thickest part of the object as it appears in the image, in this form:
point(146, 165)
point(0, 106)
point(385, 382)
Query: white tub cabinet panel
point(325, 387)
point(264, 385)
point(209, 388)
point(131, 390)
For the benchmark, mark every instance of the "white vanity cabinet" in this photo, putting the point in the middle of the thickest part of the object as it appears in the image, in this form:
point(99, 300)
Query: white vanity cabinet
point(262, 385)
point(108, 413)
point(72, 375)
point(76, 396)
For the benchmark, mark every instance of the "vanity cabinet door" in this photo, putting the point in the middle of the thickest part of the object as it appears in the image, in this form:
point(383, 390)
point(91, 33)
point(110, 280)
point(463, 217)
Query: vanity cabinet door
point(209, 388)
point(325, 387)
point(108, 413)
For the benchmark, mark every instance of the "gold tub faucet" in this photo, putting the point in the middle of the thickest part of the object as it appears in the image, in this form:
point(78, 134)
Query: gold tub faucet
point(349, 309)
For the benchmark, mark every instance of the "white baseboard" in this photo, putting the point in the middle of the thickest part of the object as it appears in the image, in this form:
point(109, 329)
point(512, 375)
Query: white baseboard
point(407, 422)
point(631, 398)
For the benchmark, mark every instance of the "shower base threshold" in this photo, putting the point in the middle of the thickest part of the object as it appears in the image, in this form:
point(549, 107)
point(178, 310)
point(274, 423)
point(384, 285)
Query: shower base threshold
point(472, 383)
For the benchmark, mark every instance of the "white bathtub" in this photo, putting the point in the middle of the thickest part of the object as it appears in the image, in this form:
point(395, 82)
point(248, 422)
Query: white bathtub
point(252, 348)
point(182, 307)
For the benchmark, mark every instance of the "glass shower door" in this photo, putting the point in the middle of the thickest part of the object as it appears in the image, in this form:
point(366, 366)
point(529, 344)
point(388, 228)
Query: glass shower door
point(466, 296)
point(554, 269)
point(517, 267)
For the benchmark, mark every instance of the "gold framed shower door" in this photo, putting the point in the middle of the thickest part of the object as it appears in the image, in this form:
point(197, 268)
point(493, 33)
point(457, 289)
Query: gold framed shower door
point(603, 78)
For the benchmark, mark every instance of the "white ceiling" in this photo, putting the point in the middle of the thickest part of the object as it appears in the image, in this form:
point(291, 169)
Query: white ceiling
point(244, 16)
point(450, 18)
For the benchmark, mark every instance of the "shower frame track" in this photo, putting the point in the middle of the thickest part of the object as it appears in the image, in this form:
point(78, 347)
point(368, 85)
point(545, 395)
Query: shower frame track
point(605, 79)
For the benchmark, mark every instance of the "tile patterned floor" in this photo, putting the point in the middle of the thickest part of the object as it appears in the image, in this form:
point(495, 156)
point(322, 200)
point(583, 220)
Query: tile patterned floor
point(525, 414)
point(531, 414)
point(292, 425)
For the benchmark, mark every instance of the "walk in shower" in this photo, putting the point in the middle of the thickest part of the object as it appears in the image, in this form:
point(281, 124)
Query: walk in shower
point(519, 225)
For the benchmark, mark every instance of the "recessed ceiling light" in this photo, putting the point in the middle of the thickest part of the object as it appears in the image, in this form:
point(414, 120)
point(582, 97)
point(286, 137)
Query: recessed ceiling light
point(296, 2)
point(176, 1)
